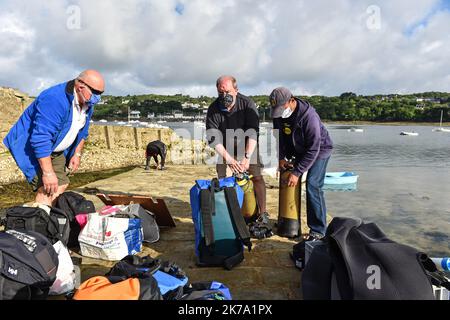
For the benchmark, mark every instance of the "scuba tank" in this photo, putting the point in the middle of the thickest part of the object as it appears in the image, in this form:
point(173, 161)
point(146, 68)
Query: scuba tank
point(249, 206)
point(288, 207)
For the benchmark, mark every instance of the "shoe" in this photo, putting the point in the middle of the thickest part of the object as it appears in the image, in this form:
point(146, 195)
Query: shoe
point(260, 228)
point(314, 237)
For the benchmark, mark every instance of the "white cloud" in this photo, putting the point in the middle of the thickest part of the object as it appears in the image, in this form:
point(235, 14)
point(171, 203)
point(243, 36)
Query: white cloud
point(319, 47)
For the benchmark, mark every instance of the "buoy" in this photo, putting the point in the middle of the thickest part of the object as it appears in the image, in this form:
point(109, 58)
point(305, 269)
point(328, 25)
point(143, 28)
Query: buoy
point(288, 207)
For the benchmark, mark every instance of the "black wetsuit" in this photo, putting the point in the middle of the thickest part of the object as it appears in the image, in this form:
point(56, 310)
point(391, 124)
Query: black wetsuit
point(155, 149)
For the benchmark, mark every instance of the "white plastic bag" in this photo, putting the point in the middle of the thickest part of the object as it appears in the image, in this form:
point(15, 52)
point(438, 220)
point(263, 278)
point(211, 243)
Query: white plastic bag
point(65, 275)
point(110, 237)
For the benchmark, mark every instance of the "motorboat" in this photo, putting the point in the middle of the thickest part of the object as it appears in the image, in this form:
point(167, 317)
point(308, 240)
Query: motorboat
point(355, 130)
point(409, 133)
point(340, 178)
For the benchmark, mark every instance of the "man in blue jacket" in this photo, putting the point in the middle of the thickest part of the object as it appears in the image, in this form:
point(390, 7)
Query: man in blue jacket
point(47, 140)
point(303, 136)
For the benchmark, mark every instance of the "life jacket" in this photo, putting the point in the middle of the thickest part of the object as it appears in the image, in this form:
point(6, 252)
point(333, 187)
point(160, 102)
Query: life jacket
point(220, 229)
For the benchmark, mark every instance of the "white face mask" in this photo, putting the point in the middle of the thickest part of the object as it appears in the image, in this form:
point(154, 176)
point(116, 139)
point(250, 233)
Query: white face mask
point(287, 113)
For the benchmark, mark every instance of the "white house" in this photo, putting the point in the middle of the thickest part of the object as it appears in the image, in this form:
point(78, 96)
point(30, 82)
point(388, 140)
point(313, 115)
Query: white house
point(135, 114)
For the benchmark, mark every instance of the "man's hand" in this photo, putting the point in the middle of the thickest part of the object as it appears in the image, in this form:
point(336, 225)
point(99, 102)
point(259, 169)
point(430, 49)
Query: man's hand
point(50, 182)
point(245, 164)
point(283, 165)
point(292, 181)
point(74, 163)
point(235, 166)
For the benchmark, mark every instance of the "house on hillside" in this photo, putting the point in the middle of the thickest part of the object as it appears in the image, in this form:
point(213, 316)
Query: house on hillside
point(134, 114)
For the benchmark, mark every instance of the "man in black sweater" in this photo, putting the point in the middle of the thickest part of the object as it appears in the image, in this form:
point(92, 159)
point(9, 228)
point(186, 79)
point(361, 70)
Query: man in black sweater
point(155, 149)
point(232, 128)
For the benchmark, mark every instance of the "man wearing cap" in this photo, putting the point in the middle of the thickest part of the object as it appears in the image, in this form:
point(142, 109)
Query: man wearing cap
point(303, 136)
point(48, 139)
point(232, 128)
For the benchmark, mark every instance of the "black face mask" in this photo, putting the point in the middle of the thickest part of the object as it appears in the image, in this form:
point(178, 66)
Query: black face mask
point(226, 101)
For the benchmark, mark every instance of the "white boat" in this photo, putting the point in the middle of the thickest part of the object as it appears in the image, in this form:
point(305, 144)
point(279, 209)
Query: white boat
point(161, 121)
point(121, 122)
point(199, 124)
point(103, 120)
point(340, 178)
point(441, 129)
point(355, 130)
point(408, 133)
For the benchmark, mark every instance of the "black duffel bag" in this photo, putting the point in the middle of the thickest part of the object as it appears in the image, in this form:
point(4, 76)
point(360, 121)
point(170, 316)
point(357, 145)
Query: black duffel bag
point(53, 225)
point(73, 204)
point(28, 265)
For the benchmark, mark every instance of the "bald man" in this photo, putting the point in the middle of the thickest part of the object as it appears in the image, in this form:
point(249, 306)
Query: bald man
point(48, 139)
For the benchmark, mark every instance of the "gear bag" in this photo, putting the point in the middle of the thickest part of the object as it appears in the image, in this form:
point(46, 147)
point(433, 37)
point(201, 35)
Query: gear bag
point(220, 229)
point(54, 225)
point(73, 204)
point(358, 261)
point(28, 265)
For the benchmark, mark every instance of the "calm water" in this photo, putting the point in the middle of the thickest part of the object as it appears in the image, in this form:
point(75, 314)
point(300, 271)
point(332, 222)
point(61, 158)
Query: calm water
point(403, 185)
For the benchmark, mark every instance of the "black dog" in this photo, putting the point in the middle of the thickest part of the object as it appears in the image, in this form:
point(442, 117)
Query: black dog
point(155, 149)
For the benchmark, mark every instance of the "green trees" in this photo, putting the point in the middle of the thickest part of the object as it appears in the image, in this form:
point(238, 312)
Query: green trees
point(346, 107)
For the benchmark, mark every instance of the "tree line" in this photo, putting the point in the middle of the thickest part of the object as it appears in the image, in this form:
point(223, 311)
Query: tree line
point(423, 107)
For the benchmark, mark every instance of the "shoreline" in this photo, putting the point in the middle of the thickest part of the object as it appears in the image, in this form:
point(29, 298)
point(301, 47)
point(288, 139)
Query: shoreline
point(393, 123)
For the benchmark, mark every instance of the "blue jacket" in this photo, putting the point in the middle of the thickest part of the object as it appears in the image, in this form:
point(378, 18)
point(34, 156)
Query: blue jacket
point(310, 138)
point(42, 126)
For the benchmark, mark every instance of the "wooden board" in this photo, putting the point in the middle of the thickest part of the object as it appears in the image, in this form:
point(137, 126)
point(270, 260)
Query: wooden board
point(158, 207)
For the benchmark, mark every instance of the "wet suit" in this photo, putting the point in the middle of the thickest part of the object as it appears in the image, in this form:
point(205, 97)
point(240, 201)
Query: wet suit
point(155, 149)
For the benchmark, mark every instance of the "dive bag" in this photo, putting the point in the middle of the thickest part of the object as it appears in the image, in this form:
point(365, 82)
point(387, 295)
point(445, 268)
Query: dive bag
point(28, 265)
point(73, 204)
point(358, 262)
point(54, 225)
point(220, 229)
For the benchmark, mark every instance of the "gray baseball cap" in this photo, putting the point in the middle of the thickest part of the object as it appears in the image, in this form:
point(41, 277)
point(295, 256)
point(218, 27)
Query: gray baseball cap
point(278, 99)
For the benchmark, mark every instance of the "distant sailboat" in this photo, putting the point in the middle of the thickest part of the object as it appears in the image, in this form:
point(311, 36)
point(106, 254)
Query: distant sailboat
point(441, 129)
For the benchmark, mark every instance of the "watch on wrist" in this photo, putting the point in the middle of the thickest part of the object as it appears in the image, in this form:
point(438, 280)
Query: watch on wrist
point(246, 156)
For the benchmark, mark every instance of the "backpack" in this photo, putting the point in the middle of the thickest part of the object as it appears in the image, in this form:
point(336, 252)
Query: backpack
point(28, 265)
point(170, 278)
point(53, 225)
point(220, 229)
point(357, 261)
point(73, 204)
point(206, 290)
point(118, 288)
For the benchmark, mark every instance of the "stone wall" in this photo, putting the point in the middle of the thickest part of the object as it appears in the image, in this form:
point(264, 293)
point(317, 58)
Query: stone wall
point(12, 104)
point(107, 146)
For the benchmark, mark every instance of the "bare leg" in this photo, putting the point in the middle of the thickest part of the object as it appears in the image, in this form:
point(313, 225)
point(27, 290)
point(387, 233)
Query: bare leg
point(44, 198)
point(260, 191)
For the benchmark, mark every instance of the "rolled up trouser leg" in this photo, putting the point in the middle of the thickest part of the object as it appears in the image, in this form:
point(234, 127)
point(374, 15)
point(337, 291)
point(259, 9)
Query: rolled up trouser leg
point(288, 208)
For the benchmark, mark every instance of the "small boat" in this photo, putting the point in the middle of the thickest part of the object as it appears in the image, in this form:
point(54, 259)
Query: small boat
point(355, 130)
point(340, 178)
point(103, 120)
point(408, 133)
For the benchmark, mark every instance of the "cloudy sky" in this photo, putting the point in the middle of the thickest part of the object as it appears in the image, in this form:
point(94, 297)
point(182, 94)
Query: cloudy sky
point(182, 46)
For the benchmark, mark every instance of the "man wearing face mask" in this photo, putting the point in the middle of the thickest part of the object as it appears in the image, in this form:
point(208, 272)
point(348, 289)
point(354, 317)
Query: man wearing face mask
point(303, 136)
point(48, 139)
point(232, 128)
